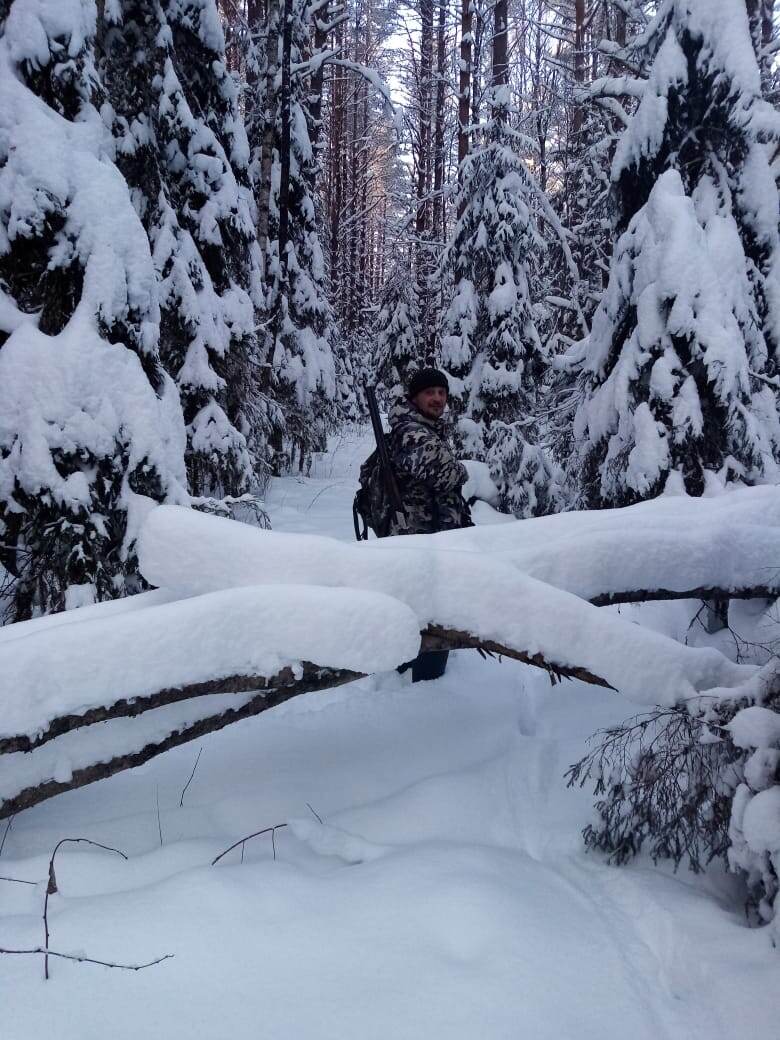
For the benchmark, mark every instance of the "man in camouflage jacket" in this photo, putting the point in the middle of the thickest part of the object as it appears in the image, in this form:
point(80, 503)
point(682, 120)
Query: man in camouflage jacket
point(429, 476)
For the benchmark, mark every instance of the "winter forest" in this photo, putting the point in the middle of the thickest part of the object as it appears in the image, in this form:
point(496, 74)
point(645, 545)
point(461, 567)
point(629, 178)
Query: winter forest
point(221, 223)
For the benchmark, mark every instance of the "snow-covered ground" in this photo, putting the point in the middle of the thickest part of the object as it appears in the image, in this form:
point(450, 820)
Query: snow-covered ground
point(446, 893)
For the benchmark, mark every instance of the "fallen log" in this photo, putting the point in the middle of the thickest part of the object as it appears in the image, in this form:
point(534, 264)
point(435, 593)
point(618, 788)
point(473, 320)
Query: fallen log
point(312, 680)
point(437, 638)
point(48, 788)
point(608, 599)
point(276, 689)
point(280, 687)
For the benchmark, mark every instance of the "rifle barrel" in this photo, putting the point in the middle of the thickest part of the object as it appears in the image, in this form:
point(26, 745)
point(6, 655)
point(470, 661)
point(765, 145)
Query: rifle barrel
point(384, 455)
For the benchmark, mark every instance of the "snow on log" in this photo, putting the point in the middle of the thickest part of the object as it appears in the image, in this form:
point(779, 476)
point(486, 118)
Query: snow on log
point(474, 593)
point(77, 752)
point(57, 675)
point(83, 756)
point(672, 547)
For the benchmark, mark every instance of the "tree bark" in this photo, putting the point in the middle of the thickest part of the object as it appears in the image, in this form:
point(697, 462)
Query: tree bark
point(438, 135)
point(478, 32)
point(318, 78)
point(464, 79)
point(276, 689)
point(500, 67)
point(424, 99)
point(285, 142)
point(269, 124)
point(336, 171)
point(579, 65)
point(436, 637)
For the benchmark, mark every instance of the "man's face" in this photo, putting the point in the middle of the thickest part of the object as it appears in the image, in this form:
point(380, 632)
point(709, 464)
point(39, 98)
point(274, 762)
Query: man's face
point(431, 402)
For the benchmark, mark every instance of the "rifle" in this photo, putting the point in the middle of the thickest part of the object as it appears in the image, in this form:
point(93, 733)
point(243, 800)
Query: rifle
point(384, 460)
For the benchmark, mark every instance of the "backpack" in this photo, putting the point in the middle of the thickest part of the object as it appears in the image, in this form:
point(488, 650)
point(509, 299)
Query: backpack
point(372, 503)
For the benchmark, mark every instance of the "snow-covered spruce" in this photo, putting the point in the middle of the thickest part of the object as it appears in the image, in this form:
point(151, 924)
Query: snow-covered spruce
point(397, 351)
point(489, 342)
point(173, 111)
point(298, 329)
point(90, 427)
point(679, 372)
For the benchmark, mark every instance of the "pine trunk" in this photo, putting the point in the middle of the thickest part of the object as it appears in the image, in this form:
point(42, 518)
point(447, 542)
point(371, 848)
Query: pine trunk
point(318, 78)
point(579, 64)
point(464, 80)
point(438, 136)
point(424, 157)
point(500, 68)
point(284, 158)
point(267, 148)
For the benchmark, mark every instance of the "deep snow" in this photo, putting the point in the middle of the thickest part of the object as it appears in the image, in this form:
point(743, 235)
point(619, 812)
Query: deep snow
point(446, 895)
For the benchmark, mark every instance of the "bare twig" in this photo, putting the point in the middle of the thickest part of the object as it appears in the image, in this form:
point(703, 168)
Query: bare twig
point(19, 881)
point(5, 833)
point(51, 888)
point(88, 960)
point(257, 834)
point(314, 812)
point(181, 800)
point(159, 821)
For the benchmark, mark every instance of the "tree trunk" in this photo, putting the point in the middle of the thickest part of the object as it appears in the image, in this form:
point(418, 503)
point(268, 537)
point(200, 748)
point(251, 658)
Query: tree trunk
point(424, 159)
point(478, 31)
point(285, 142)
point(336, 172)
point(269, 122)
point(438, 136)
point(464, 81)
point(579, 65)
point(500, 68)
point(317, 80)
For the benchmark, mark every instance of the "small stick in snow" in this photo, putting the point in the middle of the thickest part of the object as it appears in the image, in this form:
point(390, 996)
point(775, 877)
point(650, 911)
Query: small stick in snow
point(5, 833)
point(159, 822)
point(314, 812)
point(241, 841)
point(88, 960)
point(19, 881)
point(181, 800)
point(51, 888)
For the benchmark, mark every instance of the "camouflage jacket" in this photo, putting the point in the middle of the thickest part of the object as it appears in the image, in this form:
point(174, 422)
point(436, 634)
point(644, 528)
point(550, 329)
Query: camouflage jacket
point(429, 476)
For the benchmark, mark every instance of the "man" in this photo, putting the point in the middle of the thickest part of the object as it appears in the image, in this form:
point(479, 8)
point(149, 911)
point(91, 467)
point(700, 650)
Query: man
point(429, 476)
point(428, 473)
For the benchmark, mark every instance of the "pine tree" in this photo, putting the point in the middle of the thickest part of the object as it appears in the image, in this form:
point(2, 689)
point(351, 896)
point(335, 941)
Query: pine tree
point(90, 426)
point(351, 377)
point(299, 325)
point(490, 344)
point(679, 371)
point(397, 351)
point(182, 147)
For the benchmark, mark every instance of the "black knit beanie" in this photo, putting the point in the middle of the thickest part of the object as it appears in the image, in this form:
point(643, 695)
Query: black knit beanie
point(425, 378)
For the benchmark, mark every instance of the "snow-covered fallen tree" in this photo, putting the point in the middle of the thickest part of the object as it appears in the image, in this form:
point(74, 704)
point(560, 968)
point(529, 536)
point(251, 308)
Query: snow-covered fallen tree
point(245, 619)
point(672, 547)
point(470, 594)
